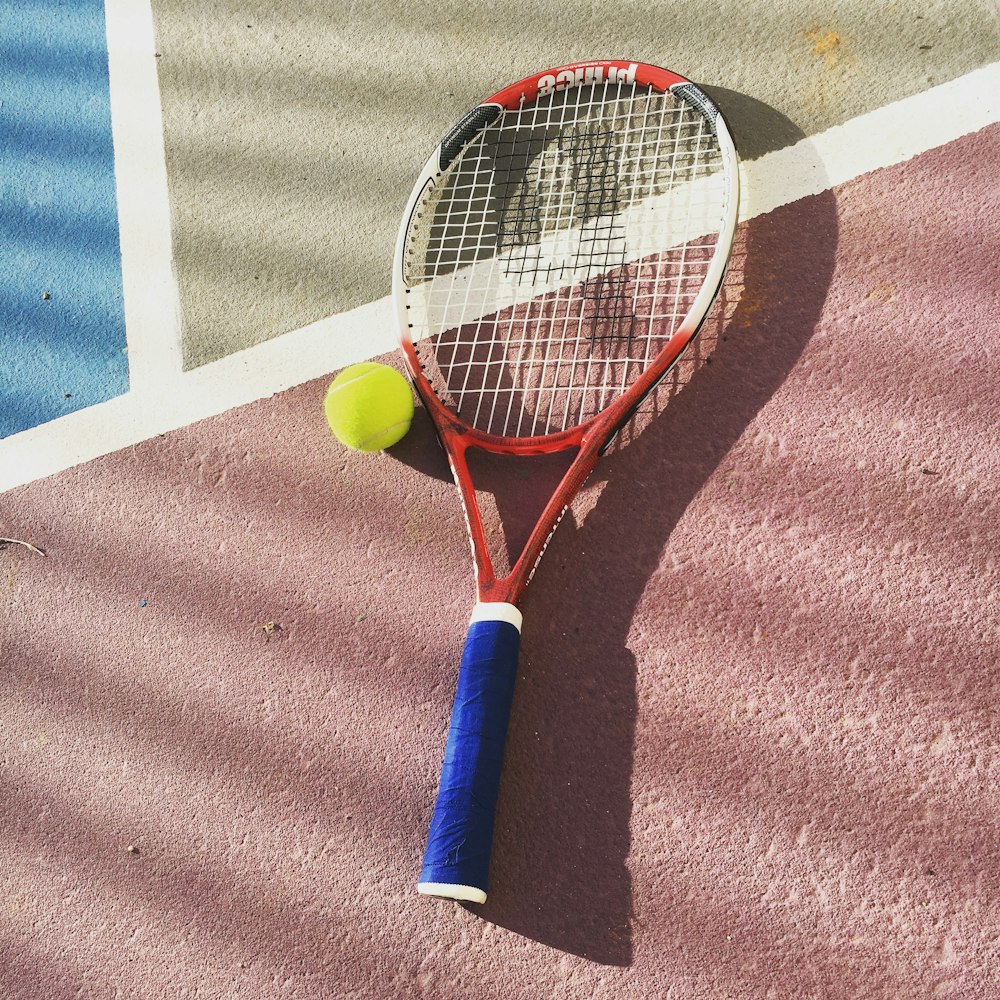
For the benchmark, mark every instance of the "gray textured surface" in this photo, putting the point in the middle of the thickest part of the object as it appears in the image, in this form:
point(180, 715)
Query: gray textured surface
point(293, 132)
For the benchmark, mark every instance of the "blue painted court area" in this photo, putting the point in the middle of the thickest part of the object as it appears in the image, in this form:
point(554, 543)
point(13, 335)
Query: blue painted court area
point(62, 325)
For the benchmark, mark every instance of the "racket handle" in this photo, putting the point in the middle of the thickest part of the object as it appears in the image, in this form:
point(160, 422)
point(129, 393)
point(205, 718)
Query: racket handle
point(457, 859)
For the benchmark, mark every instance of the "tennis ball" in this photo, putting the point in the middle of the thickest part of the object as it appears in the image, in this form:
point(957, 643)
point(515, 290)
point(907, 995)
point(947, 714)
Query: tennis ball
point(369, 406)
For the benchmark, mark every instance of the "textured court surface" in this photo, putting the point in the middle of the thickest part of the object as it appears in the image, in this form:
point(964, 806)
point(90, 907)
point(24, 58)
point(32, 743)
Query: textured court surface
point(754, 744)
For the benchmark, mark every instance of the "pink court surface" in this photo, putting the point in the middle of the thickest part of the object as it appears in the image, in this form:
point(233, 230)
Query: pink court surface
point(754, 750)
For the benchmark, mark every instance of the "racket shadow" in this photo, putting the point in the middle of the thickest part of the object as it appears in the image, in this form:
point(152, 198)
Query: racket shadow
point(561, 872)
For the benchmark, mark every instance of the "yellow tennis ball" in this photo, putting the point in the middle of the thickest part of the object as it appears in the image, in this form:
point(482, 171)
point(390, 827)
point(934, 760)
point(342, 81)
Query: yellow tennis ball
point(369, 406)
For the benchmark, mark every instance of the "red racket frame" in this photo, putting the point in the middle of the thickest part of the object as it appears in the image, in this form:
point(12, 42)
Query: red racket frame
point(591, 437)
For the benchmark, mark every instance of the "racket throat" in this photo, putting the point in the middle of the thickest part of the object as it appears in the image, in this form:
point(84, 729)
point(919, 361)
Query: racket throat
point(525, 499)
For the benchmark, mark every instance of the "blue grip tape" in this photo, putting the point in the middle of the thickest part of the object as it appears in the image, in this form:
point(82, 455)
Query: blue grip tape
point(461, 834)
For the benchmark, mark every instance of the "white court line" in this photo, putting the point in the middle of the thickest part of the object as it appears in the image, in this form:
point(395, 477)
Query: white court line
point(164, 398)
point(882, 138)
point(254, 373)
point(152, 305)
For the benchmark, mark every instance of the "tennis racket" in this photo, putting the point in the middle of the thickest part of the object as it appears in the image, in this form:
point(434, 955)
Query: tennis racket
point(560, 249)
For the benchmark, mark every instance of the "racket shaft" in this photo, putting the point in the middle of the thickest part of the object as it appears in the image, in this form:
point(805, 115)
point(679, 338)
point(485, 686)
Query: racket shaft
point(457, 859)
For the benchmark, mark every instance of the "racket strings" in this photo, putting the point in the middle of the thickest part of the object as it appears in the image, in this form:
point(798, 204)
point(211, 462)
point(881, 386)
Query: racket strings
point(560, 254)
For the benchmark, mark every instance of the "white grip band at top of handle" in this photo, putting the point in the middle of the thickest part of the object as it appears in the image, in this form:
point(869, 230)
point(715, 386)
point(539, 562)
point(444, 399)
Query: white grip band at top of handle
point(496, 611)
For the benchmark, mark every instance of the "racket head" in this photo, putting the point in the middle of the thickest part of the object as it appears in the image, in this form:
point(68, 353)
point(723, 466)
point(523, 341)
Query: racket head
point(560, 249)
